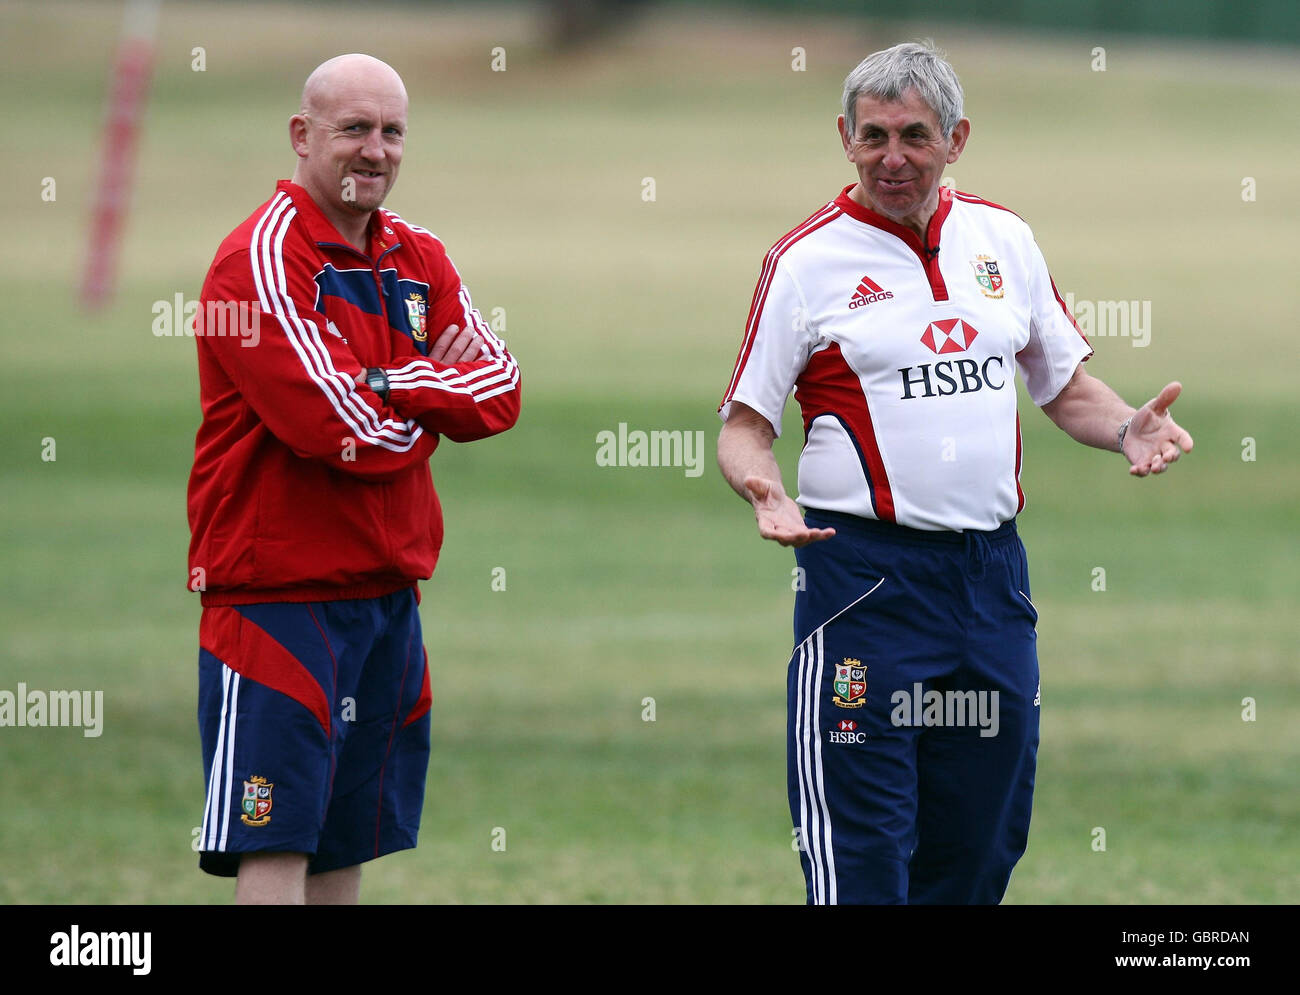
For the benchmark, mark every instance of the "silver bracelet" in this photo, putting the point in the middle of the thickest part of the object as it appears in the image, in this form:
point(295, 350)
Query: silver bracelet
point(1123, 431)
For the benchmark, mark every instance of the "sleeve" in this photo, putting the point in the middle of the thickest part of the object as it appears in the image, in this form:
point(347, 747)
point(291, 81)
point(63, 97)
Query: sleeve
point(463, 401)
point(298, 376)
point(1056, 346)
point(775, 348)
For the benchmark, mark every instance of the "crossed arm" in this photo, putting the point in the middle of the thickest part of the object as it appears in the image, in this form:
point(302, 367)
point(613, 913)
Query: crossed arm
point(454, 345)
point(1086, 409)
point(302, 379)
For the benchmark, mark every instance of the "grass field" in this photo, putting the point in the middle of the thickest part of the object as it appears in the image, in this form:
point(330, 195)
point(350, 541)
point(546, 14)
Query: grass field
point(624, 584)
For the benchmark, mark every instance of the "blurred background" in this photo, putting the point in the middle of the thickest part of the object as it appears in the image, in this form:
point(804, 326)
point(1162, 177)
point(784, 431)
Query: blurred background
point(1152, 148)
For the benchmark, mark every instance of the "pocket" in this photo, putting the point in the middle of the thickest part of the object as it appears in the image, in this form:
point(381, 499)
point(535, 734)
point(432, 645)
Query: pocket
point(836, 576)
point(1024, 600)
point(868, 563)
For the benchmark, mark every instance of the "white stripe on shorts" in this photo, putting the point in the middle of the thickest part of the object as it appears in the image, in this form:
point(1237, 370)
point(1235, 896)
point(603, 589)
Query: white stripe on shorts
point(215, 814)
point(230, 756)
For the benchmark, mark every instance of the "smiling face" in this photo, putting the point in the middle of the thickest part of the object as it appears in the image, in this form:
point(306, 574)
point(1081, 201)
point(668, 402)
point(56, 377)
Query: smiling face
point(349, 138)
point(900, 153)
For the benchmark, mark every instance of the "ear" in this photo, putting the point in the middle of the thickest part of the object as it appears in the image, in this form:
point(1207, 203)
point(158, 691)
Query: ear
point(960, 135)
point(844, 135)
point(298, 126)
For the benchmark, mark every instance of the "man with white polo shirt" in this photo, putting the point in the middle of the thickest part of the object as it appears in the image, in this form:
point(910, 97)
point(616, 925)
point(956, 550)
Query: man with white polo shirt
point(899, 313)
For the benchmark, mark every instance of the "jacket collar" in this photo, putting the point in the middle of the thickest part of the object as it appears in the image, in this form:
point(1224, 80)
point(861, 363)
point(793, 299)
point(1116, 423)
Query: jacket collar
point(324, 234)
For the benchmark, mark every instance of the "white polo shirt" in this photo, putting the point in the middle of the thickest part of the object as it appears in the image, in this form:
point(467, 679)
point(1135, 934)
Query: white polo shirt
point(902, 354)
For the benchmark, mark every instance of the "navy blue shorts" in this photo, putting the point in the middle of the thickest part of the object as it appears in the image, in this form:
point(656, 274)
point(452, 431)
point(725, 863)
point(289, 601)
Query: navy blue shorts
point(913, 713)
point(315, 726)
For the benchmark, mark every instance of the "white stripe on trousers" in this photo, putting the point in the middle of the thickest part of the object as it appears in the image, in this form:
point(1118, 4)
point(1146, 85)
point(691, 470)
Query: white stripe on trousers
point(813, 811)
point(816, 837)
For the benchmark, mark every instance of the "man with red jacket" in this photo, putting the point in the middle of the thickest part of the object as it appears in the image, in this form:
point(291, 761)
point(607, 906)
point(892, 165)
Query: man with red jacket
point(312, 509)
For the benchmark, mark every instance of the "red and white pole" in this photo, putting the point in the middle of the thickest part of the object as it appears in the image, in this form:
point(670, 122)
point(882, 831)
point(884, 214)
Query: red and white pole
point(132, 71)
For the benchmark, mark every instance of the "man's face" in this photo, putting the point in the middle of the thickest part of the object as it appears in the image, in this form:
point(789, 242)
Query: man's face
point(350, 147)
point(900, 154)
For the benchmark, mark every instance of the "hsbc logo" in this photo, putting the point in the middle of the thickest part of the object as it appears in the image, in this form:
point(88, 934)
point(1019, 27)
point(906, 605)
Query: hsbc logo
point(847, 737)
point(949, 335)
point(846, 732)
point(951, 376)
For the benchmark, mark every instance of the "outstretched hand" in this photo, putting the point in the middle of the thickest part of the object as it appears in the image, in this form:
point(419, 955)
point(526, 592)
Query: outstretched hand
point(778, 516)
point(1154, 439)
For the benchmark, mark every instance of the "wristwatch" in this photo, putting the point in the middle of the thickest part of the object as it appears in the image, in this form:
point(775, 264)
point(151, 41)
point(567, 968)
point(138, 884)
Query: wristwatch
point(377, 380)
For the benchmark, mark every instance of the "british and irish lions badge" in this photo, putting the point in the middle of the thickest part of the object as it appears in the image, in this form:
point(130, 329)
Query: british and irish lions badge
point(257, 802)
point(417, 314)
point(850, 684)
point(988, 276)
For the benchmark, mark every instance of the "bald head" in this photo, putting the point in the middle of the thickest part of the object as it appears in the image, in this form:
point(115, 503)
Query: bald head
point(353, 74)
point(349, 137)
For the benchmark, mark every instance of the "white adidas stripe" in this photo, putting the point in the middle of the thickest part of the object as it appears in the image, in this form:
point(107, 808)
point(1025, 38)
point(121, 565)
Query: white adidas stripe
point(801, 650)
point(770, 262)
point(431, 378)
point(814, 814)
point(215, 813)
point(828, 846)
point(230, 758)
point(814, 811)
point(486, 382)
point(801, 761)
point(342, 385)
point(207, 835)
point(406, 224)
point(470, 380)
point(266, 257)
point(265, 245)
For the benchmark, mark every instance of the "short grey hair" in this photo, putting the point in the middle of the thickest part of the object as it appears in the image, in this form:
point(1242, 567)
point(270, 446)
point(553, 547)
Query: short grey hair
point(890, 73)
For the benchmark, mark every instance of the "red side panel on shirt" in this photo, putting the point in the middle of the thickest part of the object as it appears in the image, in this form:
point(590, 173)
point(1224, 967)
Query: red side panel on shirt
point(828, 386)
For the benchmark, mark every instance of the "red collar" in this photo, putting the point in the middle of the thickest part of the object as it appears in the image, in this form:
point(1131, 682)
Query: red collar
point(927, 252)
point(869, 217)
point(322, 230)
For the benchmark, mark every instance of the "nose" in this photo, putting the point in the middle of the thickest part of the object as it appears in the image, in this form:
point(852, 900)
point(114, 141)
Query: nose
point(373, 147)
point(894, 159)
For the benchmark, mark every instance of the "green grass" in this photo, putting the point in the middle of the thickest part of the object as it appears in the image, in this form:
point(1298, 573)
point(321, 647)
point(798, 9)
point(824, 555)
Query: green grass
point(624, 584)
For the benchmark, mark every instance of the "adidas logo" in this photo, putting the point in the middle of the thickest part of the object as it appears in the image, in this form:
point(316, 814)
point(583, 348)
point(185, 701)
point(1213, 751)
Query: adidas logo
point(868, 292)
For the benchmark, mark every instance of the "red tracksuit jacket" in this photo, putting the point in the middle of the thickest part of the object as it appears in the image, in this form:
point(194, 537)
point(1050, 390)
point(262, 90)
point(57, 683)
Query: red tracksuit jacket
point(307, 487)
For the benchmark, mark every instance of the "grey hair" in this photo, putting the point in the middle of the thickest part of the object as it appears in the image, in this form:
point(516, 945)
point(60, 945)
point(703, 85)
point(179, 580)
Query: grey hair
point(890, 73)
